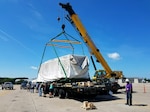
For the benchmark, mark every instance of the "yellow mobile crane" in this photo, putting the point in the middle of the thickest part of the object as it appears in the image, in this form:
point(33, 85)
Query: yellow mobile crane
point(75, 21)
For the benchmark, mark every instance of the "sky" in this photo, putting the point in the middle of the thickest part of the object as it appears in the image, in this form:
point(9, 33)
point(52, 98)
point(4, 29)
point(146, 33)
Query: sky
point(119, 28)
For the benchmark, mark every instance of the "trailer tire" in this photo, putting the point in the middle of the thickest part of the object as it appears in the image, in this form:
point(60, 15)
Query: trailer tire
point(67, 95)
point(61, 93)
point(55, 93)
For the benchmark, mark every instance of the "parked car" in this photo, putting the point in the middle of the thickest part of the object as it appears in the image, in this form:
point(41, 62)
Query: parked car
point(23, 85)
point(7, 85)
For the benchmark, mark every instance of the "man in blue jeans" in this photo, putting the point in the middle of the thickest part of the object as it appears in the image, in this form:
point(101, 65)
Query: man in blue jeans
point(40, 89)
point(128, 92)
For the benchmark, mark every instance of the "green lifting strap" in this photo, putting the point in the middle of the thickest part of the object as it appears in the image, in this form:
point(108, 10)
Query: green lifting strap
point(59, 61)
point(42, 58)
point(65, 34)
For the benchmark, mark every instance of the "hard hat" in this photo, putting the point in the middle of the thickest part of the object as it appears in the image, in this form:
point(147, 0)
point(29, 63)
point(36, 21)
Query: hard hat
point(127, 80)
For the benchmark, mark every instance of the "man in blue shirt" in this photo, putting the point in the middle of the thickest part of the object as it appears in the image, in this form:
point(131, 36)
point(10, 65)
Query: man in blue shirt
point(128, 92)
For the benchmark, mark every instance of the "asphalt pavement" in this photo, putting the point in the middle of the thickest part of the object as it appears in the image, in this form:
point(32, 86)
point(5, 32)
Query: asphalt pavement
point(24, 101)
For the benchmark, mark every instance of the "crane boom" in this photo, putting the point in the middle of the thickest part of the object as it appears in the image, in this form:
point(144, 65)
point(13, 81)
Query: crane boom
point(82, 31)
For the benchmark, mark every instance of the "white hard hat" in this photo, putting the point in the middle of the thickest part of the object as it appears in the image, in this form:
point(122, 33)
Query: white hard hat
point(127, 80)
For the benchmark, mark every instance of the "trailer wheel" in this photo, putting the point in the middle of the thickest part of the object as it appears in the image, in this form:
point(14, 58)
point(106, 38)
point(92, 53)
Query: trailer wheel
point(55, 93)
point(61, 93)
point(67, 95)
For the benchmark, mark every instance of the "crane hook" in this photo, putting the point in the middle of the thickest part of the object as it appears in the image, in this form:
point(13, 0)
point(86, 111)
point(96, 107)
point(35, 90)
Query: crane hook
point(58, 19)
point(63, 27)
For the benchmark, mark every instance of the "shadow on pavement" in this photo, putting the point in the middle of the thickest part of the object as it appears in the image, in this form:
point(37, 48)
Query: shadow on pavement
point(123, 92)
point(139, 105)
point(98, 98)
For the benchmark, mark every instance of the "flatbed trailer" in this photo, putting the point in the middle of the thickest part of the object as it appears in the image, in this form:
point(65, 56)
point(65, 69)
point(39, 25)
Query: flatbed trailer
point(68, 90)
point(78, 89)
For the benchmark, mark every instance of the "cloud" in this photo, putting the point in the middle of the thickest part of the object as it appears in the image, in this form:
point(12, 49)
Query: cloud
point(34, 67)
point(114, 56)
point(37, 14)
point(7, 37)
point(35, 21)
point(3, 35)
point(4, 38)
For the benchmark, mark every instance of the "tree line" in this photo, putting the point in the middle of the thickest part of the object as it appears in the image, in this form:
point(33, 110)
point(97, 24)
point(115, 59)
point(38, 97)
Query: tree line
point(13, 80)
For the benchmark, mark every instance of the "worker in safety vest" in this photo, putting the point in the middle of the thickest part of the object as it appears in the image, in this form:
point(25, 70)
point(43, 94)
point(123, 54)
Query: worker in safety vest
point(128, 92)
